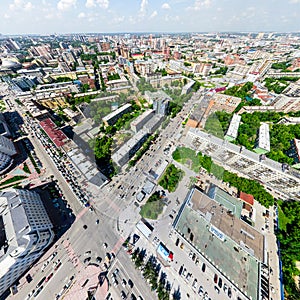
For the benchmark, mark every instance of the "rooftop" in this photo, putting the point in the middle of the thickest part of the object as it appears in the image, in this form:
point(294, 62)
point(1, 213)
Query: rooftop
point(264, 137)
point(56, 135)
point(234, 126)
point(117, 111)
point(201, 216)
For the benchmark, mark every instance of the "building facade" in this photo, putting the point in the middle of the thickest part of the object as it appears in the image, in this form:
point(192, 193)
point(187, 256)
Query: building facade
point(26, 231)
point(113, 117)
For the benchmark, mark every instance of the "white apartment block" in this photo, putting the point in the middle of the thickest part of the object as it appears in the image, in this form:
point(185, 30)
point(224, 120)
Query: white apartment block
point(233, 128)
point(263, 143)
point(26, 231)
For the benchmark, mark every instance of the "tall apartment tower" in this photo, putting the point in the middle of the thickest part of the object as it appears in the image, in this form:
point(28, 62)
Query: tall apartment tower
point(25, 232)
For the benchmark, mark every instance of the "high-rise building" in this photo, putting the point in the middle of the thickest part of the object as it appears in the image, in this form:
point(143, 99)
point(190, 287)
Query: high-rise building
point(7, 150)
point(25, 232)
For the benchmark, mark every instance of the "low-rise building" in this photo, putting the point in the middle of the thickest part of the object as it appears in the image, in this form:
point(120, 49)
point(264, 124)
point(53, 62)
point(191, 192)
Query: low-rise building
point(113, 117)
point(127, 151)
point(212, 225)
point(141, 120)
point(153, 123)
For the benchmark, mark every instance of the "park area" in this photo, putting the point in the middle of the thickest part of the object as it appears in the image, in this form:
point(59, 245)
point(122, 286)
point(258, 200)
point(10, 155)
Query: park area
point(171, 178)
point(153, 207)
point(187, 157)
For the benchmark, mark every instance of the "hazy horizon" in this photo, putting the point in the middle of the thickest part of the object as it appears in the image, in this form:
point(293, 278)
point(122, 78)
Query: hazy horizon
point(174, 16)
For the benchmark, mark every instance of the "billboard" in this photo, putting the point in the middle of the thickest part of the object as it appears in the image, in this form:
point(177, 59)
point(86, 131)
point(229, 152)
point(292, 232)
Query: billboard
point(219, 234)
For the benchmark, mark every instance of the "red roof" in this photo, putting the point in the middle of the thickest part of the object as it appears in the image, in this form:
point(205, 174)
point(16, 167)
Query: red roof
point(247, 198)
point(56, 135)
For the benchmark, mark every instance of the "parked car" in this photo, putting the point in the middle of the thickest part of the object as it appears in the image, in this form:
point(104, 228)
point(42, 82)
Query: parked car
point(86, 260)
point(200, 292)
point(215, 278)
point(130, 283)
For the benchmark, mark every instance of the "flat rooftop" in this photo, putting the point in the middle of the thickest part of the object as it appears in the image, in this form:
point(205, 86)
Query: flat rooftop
point(232, 226)
point(264, 137)
point(117, 111)
point(226, 200)
point(234, 126)
point(230, 256)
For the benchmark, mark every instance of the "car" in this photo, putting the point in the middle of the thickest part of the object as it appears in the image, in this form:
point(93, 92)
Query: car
point(98, 259)
point(104, 245)
point(123, 295)
point(184, 272)
point(41, 282)
point(191, 254)
point(132, 297)
point(203, 267)
point(217, 290)
point(130, 283)
point(124, 282)
point(108, 296)
point(200, 292)
point(49, 277)
point(44, 266)
point(188, 277)
point(85, 226)
point(225, 288)
point(86, 260)
point(215, 278)
point(87, 252)
point(229, 292)
point(220, 283)
point(194, 285)
point(57, 266)
point(113, 280)
point(116, 271)
point(205, 296)
point(38, 291)
point(97, 221)
point(197, 262)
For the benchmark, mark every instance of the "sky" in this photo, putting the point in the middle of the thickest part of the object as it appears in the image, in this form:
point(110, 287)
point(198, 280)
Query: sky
point(79, 16)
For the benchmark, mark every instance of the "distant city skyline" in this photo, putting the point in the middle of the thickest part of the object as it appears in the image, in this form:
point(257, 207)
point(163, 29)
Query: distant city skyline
point(67, 16)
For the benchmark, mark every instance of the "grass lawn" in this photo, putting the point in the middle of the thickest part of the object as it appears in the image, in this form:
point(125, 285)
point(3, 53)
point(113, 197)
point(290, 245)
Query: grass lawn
point(151, 210)
point(187, 157)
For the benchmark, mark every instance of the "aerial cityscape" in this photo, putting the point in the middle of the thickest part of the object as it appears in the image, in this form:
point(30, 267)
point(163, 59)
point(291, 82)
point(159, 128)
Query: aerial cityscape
point(149, 151)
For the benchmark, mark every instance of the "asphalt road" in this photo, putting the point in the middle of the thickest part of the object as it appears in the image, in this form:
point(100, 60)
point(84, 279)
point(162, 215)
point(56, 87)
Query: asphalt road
point(117, 218)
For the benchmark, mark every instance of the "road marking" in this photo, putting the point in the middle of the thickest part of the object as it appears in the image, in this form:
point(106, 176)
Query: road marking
point(81, 213)
point(118, 245)
point(72, 255)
